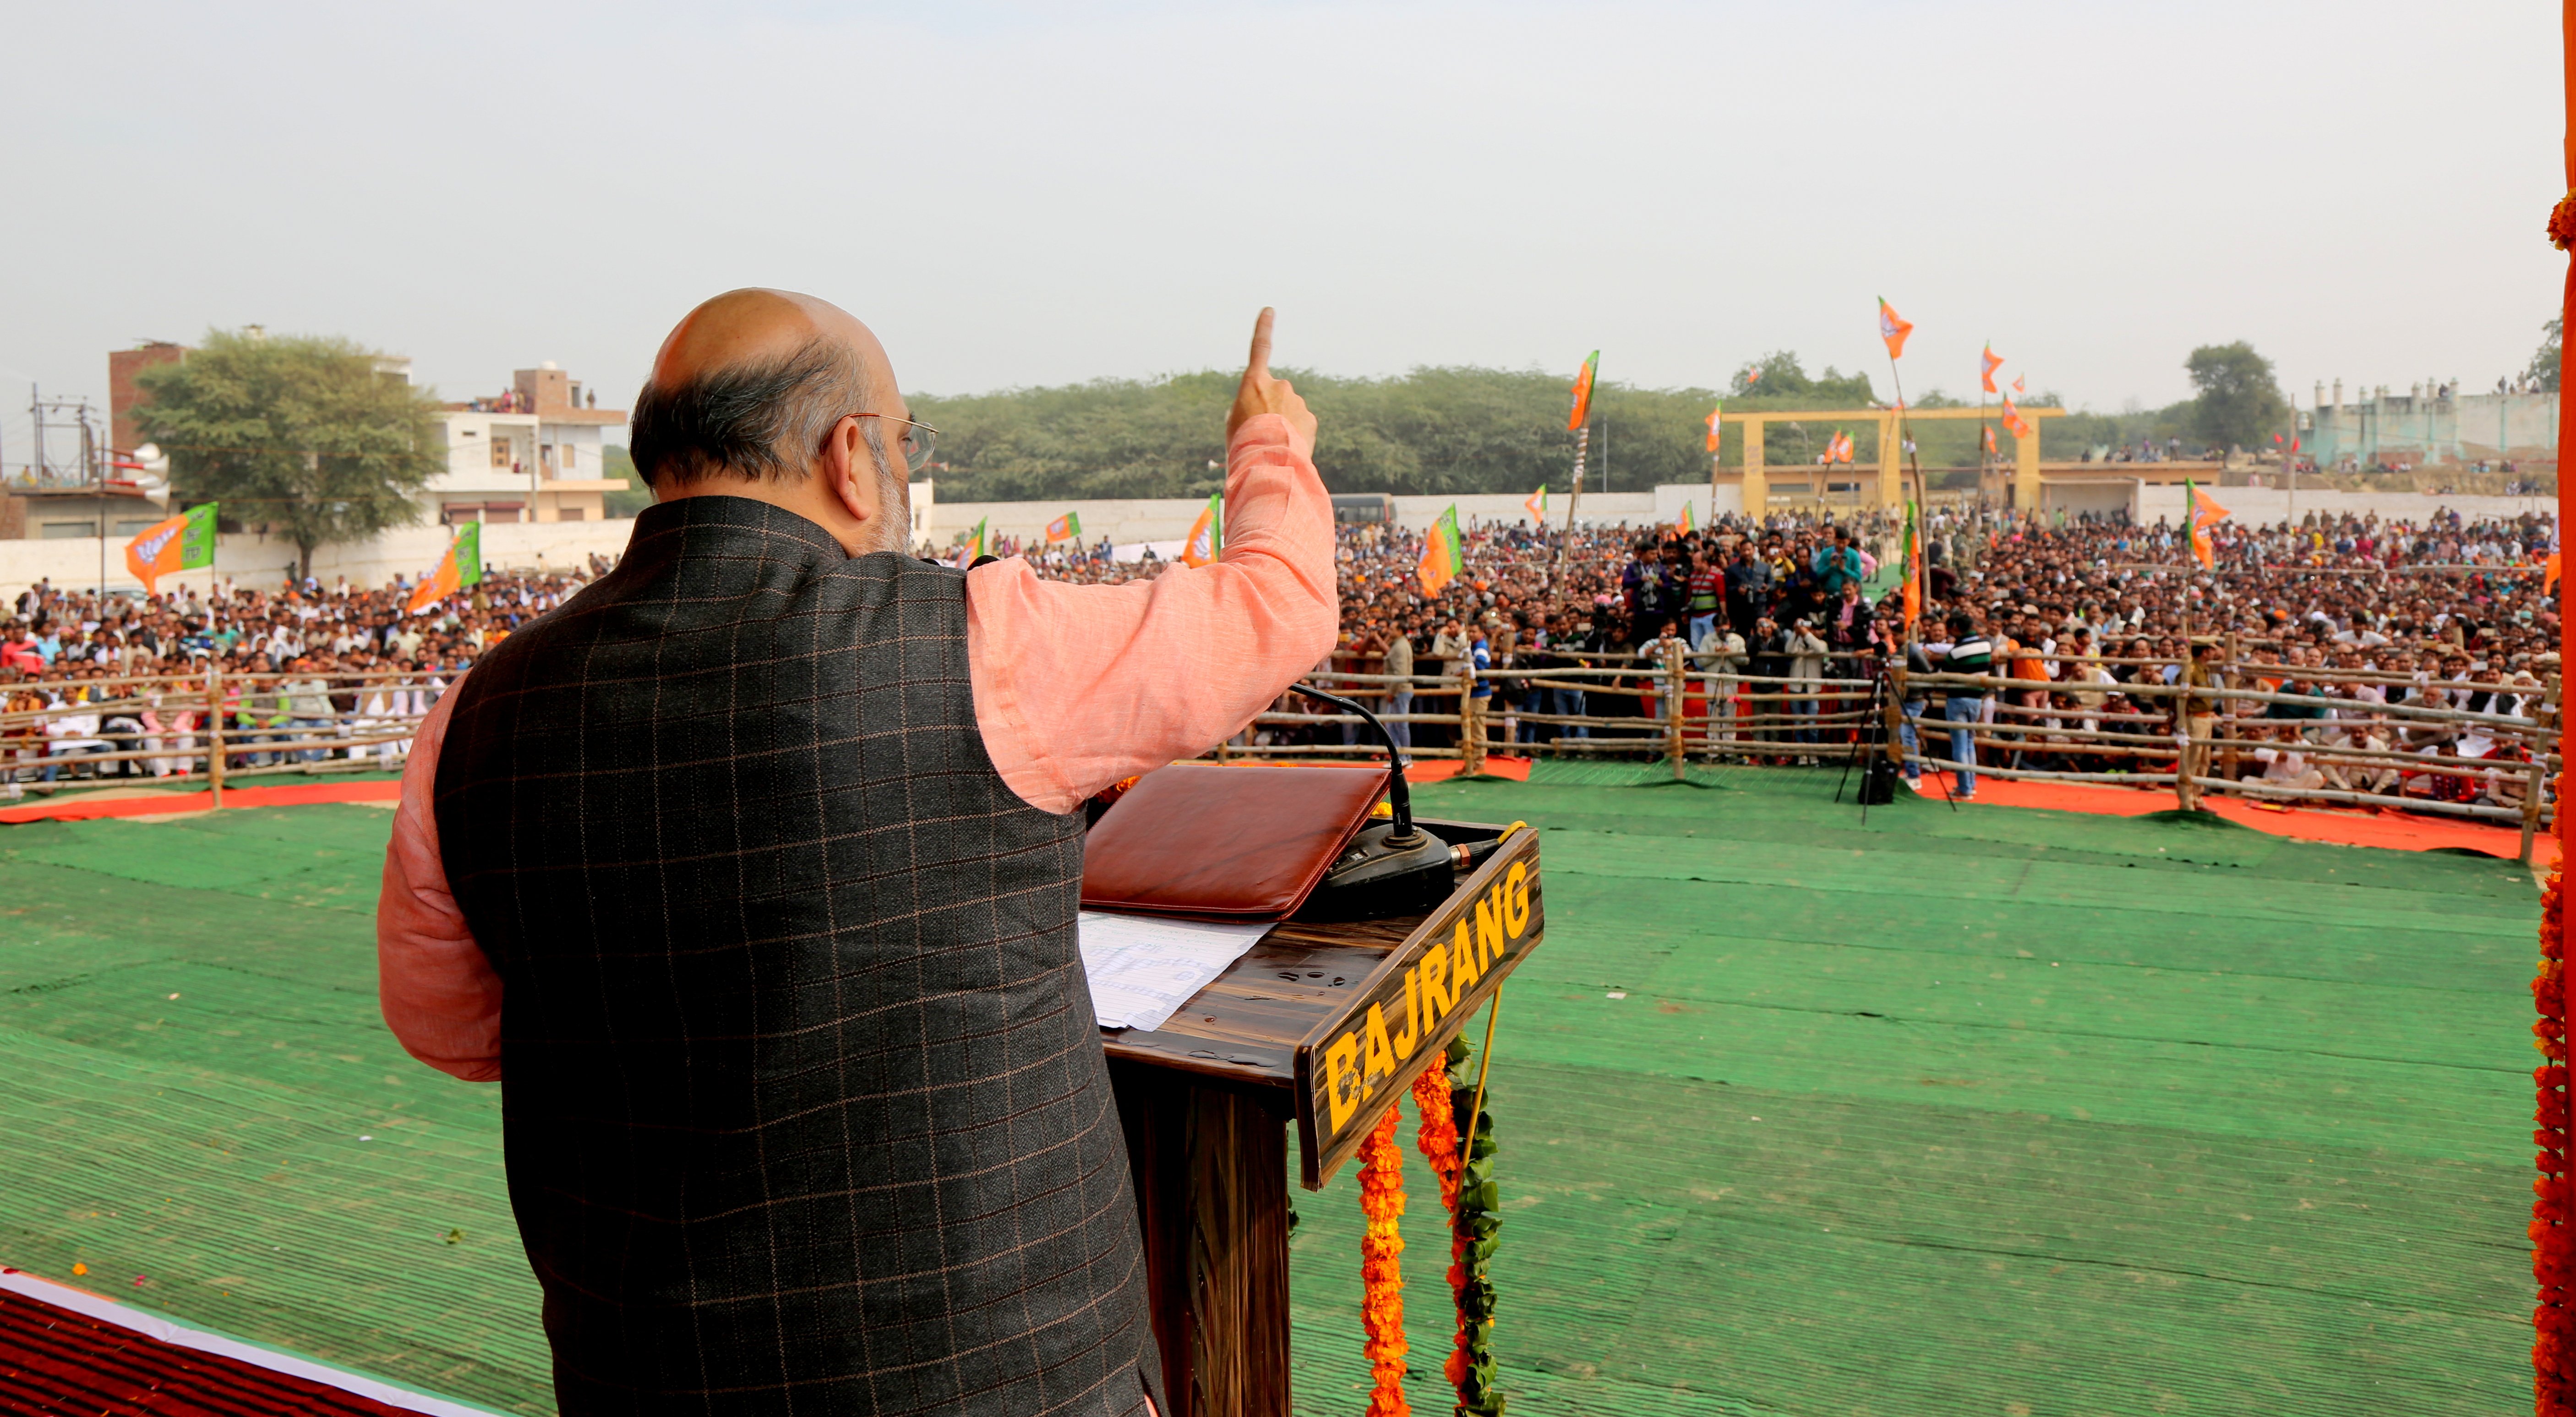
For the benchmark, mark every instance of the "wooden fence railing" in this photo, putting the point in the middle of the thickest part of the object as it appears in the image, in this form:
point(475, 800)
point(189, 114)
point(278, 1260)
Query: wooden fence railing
point(212, 727)
point(2482, 750)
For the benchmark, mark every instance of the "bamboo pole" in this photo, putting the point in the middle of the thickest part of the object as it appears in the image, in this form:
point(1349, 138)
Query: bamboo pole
point(2537, 787)
point(215, 731)
point(1472, 713)
point(1677, 685)
point(2227, 680)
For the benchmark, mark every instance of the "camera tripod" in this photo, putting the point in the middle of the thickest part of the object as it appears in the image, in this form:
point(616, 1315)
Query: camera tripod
point(1873, 746)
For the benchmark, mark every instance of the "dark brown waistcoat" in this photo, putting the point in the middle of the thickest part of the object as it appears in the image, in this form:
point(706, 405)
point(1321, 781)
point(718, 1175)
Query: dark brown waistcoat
point(804, 1103)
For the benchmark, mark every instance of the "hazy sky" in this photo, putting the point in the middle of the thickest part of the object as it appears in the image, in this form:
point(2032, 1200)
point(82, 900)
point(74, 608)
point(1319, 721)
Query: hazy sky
point(1016, 194)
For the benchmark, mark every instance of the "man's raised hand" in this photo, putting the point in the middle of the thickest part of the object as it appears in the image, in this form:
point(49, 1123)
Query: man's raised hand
point(1260, 394)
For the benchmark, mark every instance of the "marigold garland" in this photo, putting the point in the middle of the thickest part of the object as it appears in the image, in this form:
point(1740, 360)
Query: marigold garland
point(2553, 1209)
point(1438, 1138)
point(1381, 1268)
point(1476, 1223)
point(2562, 221)
point(1438, 1134)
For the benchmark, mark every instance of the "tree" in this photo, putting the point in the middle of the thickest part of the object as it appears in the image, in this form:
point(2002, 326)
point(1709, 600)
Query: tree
point(2543, 373)
point(1433, 431)
point(2238, 404)
point(299, 436)
point(1778, 375)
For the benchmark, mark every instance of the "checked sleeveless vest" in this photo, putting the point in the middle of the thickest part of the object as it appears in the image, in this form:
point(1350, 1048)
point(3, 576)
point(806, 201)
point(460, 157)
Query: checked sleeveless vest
point(803, 1099)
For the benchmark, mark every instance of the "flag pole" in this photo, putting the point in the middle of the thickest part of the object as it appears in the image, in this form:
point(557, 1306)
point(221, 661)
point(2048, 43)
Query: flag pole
point(1987, 445)
point(1574, 494)
point(1904, 429)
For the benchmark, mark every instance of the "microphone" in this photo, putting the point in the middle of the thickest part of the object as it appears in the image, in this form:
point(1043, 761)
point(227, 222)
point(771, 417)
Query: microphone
point(1394, 867)
point(1399, 798)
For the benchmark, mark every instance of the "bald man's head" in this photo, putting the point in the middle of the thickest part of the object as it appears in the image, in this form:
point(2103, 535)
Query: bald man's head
point(751, 383)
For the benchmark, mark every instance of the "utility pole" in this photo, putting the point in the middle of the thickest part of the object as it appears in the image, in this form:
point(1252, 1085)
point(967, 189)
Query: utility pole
point(2290, 464)
point(96, 466)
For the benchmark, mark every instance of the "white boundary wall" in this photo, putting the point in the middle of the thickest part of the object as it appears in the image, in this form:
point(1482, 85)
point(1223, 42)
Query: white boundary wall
point(252, 560)
point(1144, 519)
point(2270, 506)
point(264, 561)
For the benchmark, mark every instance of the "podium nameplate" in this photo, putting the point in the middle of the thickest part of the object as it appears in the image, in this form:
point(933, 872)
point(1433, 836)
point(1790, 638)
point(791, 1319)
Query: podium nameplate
point(1442, 975)
point(1322, 1024)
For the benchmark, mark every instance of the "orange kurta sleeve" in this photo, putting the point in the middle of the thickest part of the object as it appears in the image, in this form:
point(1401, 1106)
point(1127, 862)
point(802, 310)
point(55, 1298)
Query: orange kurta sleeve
point(1077, 686)
point(437, 989)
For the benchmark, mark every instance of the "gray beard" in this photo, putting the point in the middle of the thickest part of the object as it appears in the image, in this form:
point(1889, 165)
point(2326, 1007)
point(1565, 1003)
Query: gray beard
point(893, 530)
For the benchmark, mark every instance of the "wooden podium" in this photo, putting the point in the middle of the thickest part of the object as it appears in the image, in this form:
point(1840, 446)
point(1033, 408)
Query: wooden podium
point(1319, 1026)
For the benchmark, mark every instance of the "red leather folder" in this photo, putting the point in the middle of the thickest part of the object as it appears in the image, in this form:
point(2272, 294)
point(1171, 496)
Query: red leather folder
point(1224, 843)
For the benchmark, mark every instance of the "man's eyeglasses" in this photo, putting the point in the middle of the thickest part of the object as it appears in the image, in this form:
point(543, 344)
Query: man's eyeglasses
point(917, 440)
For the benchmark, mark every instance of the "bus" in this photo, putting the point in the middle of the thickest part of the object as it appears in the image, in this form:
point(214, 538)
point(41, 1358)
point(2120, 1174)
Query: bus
point(1363, 509)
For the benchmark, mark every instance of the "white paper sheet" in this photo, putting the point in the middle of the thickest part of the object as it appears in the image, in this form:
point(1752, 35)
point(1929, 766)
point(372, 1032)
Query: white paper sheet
point(1143, 967)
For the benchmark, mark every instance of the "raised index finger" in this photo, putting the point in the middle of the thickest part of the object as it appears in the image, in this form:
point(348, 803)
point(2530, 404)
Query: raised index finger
point(1259, 367)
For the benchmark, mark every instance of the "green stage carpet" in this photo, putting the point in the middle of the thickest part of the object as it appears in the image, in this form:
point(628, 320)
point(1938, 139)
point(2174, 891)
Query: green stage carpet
point(2000, 1111)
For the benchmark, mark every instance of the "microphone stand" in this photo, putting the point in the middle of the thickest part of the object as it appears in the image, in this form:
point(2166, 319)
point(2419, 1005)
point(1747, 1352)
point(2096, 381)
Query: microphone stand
point(1399, 798)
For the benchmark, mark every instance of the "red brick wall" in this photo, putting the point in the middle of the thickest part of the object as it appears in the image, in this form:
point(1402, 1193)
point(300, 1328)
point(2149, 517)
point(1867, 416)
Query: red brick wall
point(123, 397)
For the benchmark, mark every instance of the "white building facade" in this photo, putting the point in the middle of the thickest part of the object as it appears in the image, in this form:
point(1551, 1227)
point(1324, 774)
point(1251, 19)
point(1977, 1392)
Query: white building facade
point(530, 455)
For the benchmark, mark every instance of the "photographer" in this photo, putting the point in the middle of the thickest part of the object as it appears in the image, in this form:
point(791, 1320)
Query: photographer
point(1967, 652)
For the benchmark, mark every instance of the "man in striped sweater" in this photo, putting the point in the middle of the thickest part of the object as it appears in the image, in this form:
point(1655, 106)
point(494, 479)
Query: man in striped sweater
point(1968, 652)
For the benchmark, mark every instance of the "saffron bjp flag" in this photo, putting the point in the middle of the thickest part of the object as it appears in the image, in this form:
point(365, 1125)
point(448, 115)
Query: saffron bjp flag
point(1443, 554)
point(1893, 328)
point(1994, 361)
point(2549, 574)
point(977, 545)
point(1064, 528)
point(2013, 420)
point(2202, 512)
point(2017, 388)
point(1686, 525)
point(1583, 390)
point(1207, 535)
point(1713, 420)
point(462, 566)
point(1536, 505)
point(1986, 432)
point(179, 543)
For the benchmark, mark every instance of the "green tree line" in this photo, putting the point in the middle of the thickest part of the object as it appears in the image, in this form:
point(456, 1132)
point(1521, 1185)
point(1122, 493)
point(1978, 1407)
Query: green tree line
point(1456, 429)
point(1433, 431)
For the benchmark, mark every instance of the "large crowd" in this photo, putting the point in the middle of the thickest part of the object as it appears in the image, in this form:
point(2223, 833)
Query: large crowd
point(2355, 612)
point(284, 667)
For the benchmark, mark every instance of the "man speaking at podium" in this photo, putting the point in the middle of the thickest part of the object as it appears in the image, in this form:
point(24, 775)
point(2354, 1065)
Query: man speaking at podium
point(750, 875)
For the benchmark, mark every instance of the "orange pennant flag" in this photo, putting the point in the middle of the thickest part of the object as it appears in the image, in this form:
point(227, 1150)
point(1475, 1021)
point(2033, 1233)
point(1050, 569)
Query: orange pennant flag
point(155, 553)
point(1994, 362)
point(2013, 420)
point(441, 584)
point(1583, 391)
point(2203, 512)
point(1893, 328)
